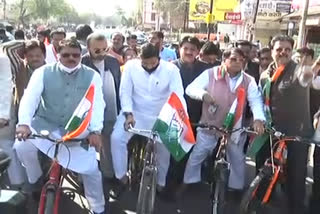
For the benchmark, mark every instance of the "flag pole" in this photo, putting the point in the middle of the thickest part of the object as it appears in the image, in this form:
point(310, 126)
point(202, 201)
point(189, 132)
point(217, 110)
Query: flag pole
point(302, 28)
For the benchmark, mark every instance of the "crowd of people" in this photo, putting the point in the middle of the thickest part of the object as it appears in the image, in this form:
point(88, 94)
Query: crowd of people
point(44, 79)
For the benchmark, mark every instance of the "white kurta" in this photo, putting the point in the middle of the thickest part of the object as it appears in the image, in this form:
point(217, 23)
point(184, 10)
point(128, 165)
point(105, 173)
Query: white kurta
point(5, 87)
point(144, 94)
point(199, 87)
point(206, 143)
point(28, 106)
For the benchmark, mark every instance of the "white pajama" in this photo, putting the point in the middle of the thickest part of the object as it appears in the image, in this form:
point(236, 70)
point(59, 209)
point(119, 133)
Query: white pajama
point(144, 94)
point(203, 147)
point(119, 141)
point(27, 152)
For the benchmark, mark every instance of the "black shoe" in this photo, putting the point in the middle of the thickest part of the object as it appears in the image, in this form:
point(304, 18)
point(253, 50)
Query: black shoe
point(117, 190)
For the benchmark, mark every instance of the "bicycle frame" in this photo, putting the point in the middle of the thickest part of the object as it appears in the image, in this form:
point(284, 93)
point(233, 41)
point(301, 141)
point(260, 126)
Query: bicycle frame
point(54, 183)
point(56, 176)
point(147, 190)
point(277, 160)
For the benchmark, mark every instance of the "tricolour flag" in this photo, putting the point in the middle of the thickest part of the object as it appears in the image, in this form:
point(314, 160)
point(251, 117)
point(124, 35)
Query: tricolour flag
point(174, 128)
point(233, 119)
point(81, 117)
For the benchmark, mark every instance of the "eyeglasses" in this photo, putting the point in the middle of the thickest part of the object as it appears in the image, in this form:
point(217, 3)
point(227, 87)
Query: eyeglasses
point(67, 55)
point(99, 51)
point(234, 59)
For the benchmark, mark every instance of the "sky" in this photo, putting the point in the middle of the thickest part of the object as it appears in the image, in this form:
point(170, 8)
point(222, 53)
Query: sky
point(103, 7)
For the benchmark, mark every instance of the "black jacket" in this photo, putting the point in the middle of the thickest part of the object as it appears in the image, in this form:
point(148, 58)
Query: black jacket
point(253, 70)
point(188, 74)
point(110, 63)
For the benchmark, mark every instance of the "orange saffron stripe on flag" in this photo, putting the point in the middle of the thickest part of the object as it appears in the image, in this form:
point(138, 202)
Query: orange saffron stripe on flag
point(267, 102)
point(241, 98)
point(277, 74)
point(83, 126)
point(175, 102)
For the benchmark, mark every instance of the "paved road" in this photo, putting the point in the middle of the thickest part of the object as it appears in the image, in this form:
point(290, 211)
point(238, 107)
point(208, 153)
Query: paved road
point(194, 200)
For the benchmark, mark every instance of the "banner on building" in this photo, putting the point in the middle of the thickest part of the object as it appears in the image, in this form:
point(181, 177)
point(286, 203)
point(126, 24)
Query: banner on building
point(199, 9)
point(270, 10)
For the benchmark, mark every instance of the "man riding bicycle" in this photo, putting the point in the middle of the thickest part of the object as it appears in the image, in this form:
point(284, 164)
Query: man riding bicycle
point(145, 87)
point(225, 91)
point(48, 103)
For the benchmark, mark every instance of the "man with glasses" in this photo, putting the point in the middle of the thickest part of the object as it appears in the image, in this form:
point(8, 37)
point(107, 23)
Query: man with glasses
point(48, 103)
point(224, 90)
point(109, 69)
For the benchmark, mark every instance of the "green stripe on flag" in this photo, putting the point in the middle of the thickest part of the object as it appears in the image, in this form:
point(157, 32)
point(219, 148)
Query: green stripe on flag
point(170, 138)
point(74, 124)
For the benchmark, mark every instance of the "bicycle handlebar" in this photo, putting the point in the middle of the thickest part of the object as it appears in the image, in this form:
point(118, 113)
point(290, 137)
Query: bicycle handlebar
point(143, 132)
point(44, 134)
point(282, 136)
point(224, 130)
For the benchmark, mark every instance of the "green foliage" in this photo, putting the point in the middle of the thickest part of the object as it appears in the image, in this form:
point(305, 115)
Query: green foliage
point(25, 10)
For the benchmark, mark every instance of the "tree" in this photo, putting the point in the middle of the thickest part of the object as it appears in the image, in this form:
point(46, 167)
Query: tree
point(44, 10)
point(171, 9)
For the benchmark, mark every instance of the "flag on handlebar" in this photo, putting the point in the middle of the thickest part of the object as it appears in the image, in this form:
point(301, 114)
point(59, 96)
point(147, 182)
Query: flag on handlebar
point(174, 128)
point(81, 117)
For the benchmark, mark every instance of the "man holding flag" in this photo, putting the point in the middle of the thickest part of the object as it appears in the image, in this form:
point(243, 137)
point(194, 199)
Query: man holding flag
point(225, 91)
point(145, 87)
point(66, 99)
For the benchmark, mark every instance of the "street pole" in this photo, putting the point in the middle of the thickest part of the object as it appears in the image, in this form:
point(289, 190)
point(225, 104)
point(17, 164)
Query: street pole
point(254, 21)
point(4, 9)
point(302, 28)
point(209, 20)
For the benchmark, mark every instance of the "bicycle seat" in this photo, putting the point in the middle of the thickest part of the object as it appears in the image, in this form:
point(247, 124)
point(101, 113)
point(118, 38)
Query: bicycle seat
point(4, 161)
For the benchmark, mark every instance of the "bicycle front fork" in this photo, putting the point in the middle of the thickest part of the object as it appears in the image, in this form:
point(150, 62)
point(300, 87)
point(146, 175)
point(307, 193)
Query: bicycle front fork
point(52, 184)
point(219, 186)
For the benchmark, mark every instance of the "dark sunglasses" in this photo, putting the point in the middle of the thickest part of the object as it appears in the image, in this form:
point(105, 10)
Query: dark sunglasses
point(99, 51)
point(67, 55)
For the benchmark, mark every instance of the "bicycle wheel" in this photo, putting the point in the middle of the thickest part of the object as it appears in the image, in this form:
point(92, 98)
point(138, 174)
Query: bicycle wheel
point(219, 187)
point(147, 191)
point(252, 199)
point(50, 202)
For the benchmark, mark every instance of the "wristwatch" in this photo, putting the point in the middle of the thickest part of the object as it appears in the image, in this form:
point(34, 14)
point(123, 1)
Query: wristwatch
point(95, 132)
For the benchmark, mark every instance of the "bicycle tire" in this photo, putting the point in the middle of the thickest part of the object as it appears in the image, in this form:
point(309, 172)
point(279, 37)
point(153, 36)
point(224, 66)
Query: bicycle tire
point(219, 188)
point(252, 199)
point(147, 191)
point(50, 202)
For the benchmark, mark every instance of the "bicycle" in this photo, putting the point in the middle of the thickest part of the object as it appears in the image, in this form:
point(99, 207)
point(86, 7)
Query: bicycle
point(148, 182)
point(136, 152)
point(221, 168)
point(52, 189)
point(260, 190)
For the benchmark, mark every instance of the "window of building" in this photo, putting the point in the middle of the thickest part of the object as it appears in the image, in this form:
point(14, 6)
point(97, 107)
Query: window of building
point(153, 16)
